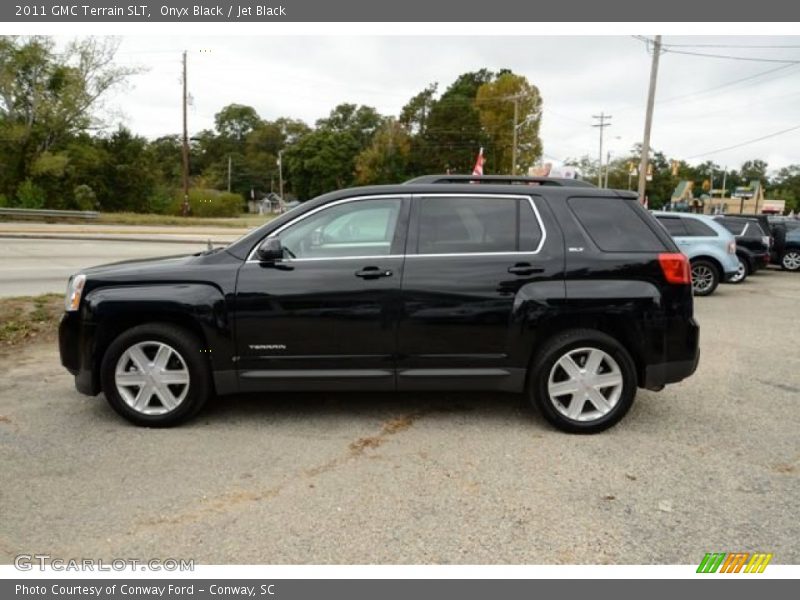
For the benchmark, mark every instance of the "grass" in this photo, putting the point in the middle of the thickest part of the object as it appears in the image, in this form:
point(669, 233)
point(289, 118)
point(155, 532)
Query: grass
point(128, 218)
point(26, 319)
point(125, 218)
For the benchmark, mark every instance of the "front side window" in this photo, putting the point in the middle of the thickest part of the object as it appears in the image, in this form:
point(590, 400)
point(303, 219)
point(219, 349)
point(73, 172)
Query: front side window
point(465, 225)
point(350, 229)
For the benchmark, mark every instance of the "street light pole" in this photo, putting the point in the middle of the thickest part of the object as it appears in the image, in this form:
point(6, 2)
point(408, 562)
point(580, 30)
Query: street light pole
point(280, 178)
point(185, 152)
point(514, 147)
point(648, 121)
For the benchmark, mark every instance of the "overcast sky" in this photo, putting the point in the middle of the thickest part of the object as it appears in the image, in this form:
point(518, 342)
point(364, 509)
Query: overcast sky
point(304, 77)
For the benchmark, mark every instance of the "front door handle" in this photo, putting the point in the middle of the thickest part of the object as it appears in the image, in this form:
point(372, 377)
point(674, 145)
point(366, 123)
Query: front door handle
point(373, 273)
point(525, 269)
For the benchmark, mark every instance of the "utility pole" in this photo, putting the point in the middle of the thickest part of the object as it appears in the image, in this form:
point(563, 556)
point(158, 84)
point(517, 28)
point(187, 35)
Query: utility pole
point(280, 178)
point(603, 122)
point(514, 147)
point(185, 206)
point(229, 173)
point(608, 168)
point(648, 121)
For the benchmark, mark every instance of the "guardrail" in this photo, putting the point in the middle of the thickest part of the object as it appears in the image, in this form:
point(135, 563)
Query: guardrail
point(51, 214)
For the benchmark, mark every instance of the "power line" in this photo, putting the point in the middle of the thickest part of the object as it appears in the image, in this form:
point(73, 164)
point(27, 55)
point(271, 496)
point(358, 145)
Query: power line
point(742, 58)
point(739, 145)
point(758, 46)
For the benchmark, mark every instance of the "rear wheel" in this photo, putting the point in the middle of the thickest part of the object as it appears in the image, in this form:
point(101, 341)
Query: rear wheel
point(705, 277)
point(741, 272)
point(790, 260)
point(582, 381)
point(154, 375)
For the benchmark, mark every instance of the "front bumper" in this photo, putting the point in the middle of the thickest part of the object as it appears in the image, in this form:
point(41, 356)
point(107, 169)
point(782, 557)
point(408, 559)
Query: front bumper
point(75, 345)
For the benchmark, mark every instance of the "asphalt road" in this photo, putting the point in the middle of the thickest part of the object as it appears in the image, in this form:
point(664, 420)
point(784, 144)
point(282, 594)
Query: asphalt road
point(31, 266)
point(710, 464)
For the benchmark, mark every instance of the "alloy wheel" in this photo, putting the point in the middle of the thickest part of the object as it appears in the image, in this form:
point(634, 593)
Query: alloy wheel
point(702, 278)
point(791, 261)
point(741, 271)
point(152, 378)
point(585, 384)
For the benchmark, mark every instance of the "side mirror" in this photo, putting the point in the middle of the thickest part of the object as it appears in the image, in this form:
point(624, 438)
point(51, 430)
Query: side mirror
point(270, 249)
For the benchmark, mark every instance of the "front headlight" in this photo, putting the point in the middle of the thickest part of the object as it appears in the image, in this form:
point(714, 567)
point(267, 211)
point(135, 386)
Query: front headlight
point(74, 290)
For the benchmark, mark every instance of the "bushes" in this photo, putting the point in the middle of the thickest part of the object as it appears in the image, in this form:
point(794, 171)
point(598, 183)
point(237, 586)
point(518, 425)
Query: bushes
point(209, 203)
point(30, 195)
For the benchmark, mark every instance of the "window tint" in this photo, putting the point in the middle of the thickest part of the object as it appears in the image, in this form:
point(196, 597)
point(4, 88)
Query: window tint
point(358, 228)
point(614, 225)
point(674, 225)
point(697, 228)
point(732, 225)
point(469, 224)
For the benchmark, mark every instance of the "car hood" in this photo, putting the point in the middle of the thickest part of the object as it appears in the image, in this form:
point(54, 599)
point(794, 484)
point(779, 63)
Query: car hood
point(142, 266)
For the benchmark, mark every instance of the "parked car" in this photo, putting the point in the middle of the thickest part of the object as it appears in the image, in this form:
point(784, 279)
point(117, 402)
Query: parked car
point(752, 245)
point(710, 247)
point(574, 296)
point(786, 249)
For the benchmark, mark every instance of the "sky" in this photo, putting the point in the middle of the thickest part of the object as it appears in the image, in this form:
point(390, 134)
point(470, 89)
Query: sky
point(703, 103)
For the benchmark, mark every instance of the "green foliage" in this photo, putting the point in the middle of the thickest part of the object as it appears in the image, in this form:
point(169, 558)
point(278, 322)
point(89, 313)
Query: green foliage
point(495, 102)
point(4, 201)
point(30, 195)
point(85, 198)
point(208, 203)
point(386, 159)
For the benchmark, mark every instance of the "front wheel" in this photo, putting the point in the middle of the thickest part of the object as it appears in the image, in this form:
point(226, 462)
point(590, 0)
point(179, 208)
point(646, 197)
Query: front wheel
point(582, 381)
point(790, 260)
point(705, 277)
point(154, 375)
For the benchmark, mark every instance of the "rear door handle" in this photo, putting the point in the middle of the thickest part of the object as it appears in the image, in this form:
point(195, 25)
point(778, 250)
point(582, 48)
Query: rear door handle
point(525, 269)
point(373, 273)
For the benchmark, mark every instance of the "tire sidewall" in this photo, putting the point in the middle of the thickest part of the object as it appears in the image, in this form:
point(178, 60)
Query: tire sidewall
point(553, 351)
point(785, 254)
point(715, 275)
point(186, 345)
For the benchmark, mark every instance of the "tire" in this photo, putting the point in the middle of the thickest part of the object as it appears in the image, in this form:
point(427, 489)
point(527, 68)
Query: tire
point(131, 368)
point(741, 273)
point(790, 261)
point(705, 277)
point(576, 412)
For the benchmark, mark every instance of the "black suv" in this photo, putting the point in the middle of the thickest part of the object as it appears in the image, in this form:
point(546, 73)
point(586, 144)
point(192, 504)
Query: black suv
point(572, 295)
point(752, 245)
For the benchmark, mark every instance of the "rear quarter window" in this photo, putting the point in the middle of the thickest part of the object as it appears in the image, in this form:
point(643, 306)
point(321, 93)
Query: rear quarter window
point(614, 225)
point(697, 228)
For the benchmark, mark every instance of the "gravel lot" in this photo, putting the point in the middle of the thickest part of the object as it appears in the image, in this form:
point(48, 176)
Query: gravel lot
point(710, 464)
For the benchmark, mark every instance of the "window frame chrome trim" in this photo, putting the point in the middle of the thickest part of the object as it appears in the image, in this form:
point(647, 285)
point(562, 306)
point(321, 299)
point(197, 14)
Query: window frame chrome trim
point(407, 255)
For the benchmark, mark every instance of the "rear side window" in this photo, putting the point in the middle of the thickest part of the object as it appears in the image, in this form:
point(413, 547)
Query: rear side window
point(674, 225)
point(697, 228)
point(735, 227)
point(462, 225)
point(614, 225)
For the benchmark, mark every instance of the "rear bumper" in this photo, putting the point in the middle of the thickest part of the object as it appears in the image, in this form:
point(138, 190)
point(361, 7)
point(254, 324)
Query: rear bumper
point(683, 356)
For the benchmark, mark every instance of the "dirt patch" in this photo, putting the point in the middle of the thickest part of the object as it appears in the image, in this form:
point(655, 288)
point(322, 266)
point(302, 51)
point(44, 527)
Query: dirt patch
point(28, 319)
point(390, 427)
point(784, 468)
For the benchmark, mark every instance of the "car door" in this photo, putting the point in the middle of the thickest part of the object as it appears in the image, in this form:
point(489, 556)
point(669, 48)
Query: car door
point(467, 257)
point(327, 312)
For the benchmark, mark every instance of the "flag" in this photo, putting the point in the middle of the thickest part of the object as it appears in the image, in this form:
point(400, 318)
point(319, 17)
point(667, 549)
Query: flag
point(478, 169)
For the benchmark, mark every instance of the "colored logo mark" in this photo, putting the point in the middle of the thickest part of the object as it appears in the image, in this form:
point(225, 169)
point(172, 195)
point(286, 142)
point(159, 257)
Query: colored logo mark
point(734, 562)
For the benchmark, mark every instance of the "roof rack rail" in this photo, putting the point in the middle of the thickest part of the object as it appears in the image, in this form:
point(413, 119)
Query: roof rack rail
point(500, 179)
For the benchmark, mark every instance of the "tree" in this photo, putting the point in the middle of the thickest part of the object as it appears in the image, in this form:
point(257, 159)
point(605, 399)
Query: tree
point(495, 102)
point(453, 132)
point(236, 121)
point(754, 169)
point(386, 159)
point(322, 161)
point(47, 97)
point(414, 115)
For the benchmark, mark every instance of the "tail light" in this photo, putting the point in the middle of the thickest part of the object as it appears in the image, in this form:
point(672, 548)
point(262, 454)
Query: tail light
point(732, 247)
point(675, 266)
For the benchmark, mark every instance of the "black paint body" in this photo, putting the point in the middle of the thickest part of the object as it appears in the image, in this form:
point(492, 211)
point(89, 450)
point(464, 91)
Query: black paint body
point(435, 322)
